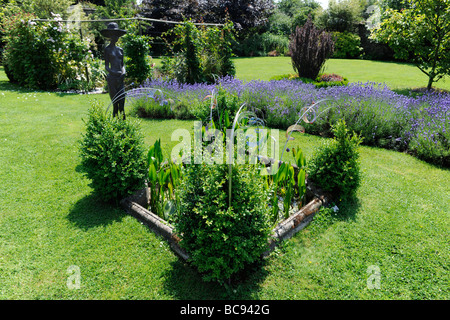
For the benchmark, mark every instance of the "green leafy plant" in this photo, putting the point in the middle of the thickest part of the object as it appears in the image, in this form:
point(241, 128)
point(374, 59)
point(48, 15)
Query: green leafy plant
point(112, 155)
point(347, 45)
point(163, 178)
point(222, 239)
point(322, 80)
point(335, 167)
point(45, 55)
point(199, 54)
point(137, 59)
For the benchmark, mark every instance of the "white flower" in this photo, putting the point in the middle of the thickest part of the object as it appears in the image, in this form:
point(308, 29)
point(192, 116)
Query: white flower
point(335, 209)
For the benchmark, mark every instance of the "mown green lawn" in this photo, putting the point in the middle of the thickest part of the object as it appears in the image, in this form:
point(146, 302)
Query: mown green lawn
point(50, 220)
point(394, 74)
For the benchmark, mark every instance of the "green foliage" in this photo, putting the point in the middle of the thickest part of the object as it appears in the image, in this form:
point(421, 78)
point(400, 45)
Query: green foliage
point(192, 47)
point(138, 63)
point(322, 81)
point(428, 45)
point(286, 185)
point(340, 16)
point(347, 45)
point(146, 107)
point(200, 54)
point(222, 239)
point(112, 155)
point(45, 55)
point(163, 178)
point(46, 8)
point(227, 67)
point(335, 166)
point(270, 42)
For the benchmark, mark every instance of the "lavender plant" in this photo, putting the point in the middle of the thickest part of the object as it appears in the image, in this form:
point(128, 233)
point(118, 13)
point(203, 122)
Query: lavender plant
point(419, 125)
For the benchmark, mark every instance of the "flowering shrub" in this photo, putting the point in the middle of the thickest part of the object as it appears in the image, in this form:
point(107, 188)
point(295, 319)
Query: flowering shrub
point(44, 55)
point(419, 125)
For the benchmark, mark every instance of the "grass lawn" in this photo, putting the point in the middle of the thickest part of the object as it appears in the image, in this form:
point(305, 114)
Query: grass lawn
point(50, 220)
point(395, 75)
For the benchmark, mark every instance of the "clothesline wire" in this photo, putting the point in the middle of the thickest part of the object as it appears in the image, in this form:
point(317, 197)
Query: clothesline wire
point(135, 18)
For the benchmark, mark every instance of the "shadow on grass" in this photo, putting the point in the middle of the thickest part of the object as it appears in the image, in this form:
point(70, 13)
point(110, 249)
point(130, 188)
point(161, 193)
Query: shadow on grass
point(184, 282)
point(90, 212)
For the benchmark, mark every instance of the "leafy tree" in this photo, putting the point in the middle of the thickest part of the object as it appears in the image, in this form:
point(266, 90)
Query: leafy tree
point(44, 8)
point(394, 4)
point(117, 9)
point(340, 16)
point(246, 15)
point(289, 14)
point(421, 34)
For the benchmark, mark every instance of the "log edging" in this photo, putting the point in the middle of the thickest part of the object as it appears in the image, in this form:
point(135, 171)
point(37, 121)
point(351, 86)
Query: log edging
point(135, 206)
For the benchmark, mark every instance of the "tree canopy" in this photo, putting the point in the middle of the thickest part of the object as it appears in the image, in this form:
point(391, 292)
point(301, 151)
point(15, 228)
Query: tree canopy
point(420, 33)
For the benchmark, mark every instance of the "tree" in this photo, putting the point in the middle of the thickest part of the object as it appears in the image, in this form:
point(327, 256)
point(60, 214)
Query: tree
point(45, 8)
point(288, 14)
point(246, 15)
point(340, 16)
point(420, 33)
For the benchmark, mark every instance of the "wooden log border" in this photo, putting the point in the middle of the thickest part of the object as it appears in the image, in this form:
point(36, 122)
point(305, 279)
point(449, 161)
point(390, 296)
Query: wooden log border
point(137, 203)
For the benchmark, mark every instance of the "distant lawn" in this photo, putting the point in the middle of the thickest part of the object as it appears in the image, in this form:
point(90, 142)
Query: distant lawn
point(50, 220)
point(395, 75)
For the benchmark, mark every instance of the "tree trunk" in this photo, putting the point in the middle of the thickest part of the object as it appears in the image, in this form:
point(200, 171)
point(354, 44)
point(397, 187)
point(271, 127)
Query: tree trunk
point(430, 82)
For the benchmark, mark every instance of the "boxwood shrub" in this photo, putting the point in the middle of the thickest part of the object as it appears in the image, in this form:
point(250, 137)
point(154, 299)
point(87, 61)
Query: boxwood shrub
point(112, 155)
point(335, 165)
point(221, 239)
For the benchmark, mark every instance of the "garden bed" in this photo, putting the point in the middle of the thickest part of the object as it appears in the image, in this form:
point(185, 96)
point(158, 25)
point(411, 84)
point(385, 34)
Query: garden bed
point(137, 203)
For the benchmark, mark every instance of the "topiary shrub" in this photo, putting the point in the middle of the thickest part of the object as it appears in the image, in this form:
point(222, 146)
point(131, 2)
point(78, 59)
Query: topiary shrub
point(222, 239)
point(335, 167)
point(112, 155)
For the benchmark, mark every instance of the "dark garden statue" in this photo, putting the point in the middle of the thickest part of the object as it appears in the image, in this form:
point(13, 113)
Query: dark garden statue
point(115, 67)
